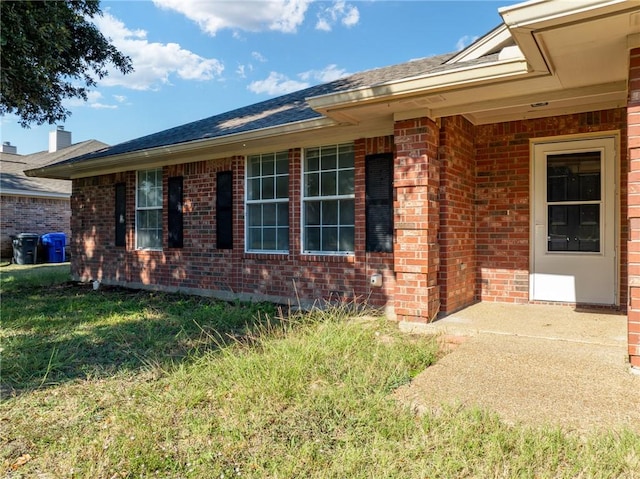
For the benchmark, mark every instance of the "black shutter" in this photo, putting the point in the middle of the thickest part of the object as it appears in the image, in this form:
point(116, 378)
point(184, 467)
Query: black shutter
point(224, 203)
point(175, 212)
point(121, 214)
point(379, 202)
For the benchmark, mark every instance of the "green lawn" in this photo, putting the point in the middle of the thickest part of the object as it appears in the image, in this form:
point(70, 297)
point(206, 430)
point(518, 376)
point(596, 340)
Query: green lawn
point(120, 384)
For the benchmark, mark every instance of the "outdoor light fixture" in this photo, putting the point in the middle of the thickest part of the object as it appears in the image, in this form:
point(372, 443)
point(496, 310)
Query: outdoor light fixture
point(539, 104)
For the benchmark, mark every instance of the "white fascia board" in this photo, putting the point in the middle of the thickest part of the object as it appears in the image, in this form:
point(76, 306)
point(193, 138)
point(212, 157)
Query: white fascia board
point(544, 13)
point(35, 194)
point(187, 152)
point(431, 83)
point(493, 40)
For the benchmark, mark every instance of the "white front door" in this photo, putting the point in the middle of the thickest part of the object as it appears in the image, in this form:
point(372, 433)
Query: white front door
point(574, 222)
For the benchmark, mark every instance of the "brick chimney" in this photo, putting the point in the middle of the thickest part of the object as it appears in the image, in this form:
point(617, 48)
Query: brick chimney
point(59, 139)
point(7, 147)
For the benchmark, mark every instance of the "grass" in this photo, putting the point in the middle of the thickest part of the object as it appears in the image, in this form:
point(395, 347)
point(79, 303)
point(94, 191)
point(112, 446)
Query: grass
point(119, 384)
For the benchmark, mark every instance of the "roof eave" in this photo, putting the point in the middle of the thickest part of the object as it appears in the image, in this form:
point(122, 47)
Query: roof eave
point(196, 150)
point(34, 194)
point(421, 85)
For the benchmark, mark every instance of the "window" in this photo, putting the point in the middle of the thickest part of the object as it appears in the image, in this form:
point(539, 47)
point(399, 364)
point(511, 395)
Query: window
point(573, 202)
point(224, 210)
point(121, 214)
point(149, 209)
point(267, 202)
point(174, 213)
point(328, 199)
point(379, 202)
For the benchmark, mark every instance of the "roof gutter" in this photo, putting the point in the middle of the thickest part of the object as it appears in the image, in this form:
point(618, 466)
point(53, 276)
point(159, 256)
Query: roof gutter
point(187, 152)
point(34, 194)
point(421, 85)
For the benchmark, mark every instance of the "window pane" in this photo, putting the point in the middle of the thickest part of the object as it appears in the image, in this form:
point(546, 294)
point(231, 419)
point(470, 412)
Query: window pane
point(346, 182)
point(253, 189)
point(329, 159)
point(255, 238)
point(347, 213)
point(330, 239)
point(346, 157)
point(255, 215)
point(312, 181)
point(268, 189)
point(269, 214)
point(282, 163)
point(328, 182)
point(573, 177)
point(312, 213)
point(282, 187)
point(283, 214)
point(347, 239)
point(312, 159)
point(312, 238)
point(268, 165)
point(283, 239)
point(329, 212)
point(269, 238)
point(574, 228)
point(253, 166)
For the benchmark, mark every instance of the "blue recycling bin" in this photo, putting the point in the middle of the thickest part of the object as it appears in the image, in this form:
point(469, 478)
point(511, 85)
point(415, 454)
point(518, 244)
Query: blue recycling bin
point(54, 247)
point(25, 248)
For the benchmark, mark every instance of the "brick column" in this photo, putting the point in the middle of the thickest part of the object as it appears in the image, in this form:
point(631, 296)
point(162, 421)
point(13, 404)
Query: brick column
point(633, 196)
point(416, 220)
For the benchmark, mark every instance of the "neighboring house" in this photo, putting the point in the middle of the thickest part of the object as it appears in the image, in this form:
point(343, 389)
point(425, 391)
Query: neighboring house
point(36, 205)
point(507, 172)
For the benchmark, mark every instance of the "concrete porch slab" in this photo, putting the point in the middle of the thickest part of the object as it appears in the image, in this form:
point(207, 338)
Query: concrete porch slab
point(532, 321)
point(537, 365)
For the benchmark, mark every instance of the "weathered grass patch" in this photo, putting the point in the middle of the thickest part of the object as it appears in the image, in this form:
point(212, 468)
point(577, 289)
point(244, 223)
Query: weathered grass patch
point(247, 395)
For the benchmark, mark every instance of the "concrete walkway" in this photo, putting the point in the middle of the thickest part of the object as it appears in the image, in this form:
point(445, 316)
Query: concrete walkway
point(532, 364)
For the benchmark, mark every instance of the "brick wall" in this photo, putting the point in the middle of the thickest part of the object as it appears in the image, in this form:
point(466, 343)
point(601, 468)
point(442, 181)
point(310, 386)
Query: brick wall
point(633, 117)
point(199, 267)
point(416, 220)
point(22, 214)
point(457, 239)
point(502, 198)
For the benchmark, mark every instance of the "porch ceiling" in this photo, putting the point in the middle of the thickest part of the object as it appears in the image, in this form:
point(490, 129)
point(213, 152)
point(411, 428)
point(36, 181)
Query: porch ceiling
point(566, 61)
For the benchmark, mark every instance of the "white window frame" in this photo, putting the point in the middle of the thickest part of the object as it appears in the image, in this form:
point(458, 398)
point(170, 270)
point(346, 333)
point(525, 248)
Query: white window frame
point(322, 198)
point(139, 208)
point(262, 177)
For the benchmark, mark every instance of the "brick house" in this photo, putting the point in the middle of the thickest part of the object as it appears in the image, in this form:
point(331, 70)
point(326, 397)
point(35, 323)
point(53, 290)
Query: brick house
point(36, 205)
point(507, 172)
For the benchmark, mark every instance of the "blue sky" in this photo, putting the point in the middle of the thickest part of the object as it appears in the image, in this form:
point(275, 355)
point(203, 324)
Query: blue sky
point(195, 59)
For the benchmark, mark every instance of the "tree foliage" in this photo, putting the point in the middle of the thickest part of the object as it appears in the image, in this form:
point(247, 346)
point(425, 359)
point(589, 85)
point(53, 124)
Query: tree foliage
point(49, 51)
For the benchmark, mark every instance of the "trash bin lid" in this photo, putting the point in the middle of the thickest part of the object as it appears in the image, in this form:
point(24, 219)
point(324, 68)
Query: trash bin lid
point(27, 235)
point(53, 237)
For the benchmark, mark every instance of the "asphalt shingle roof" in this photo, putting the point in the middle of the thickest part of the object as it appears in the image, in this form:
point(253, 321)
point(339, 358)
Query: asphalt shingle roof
point(286, 109)
point(12, 177)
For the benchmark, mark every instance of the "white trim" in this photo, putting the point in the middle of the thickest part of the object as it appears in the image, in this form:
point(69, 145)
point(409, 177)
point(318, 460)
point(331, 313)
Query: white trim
point(148, 208)
point(35, 194)
point(261, 202)
point(319, 198)
point(497, 39)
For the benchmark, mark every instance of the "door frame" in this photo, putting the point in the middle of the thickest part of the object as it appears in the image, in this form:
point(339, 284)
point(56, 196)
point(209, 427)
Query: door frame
point(608, 134)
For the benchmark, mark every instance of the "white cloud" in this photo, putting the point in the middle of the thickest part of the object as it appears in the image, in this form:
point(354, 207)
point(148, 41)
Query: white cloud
point(464, 42)
point(327, 74)
point(258, 56)
point(341, 12)
point(279, 15)
point(120, 98)
point(153, 62)
point(276, 84)
point(95, 100)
